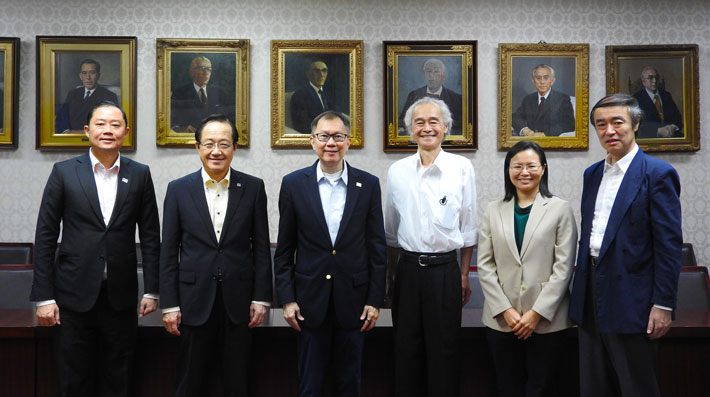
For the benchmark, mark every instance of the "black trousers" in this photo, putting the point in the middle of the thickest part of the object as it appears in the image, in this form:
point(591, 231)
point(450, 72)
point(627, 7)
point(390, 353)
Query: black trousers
point(524, 368)
point(426, 312)
point(94, 350)
point(614, 364)
point(216, 340)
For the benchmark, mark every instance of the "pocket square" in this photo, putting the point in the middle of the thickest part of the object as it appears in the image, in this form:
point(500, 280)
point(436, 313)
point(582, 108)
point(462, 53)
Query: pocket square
point(124, 180)
point(358, 184)
point(239, 184)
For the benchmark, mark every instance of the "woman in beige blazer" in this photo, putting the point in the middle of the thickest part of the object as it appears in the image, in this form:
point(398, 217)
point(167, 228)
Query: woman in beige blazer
point(526, 252)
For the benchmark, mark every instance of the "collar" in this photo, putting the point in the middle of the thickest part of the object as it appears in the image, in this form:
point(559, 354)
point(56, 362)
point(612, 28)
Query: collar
point(547, 94)
point(91, 91)
point(652, 94)
point(623, 162)
point(435, 164)
point(314, 87)
point(95, 161)
point(207, 180)
point(197, 87)
point(437, 92)
point(320, 174)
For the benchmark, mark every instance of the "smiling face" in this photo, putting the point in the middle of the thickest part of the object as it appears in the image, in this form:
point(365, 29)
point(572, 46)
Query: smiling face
point(428, 128)
point(330, 153)
point(615, 130)
point(200, 71)
point(543, 80)
point(216, 161)
point(525, 172)
point(106, 130)
point(89, 75)
point(317, 73)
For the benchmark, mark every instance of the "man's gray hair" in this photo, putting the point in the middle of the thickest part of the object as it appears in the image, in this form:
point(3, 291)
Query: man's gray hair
point(436, 62)
point(643, 71)
point(445, 112)
point(542, 65)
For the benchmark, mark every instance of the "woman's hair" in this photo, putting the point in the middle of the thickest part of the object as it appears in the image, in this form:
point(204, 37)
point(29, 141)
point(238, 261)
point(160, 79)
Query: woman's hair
point(510, 190)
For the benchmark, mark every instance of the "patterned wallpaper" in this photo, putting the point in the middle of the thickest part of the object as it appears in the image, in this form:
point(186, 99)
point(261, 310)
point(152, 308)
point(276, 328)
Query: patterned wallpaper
point(23, 172)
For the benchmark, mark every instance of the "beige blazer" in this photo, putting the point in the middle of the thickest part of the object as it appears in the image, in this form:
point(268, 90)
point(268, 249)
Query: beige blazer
point(538, 277)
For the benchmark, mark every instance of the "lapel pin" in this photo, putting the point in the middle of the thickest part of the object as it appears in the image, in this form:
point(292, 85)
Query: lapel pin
point(124, 180)
point(358, 184)
point(239, 184)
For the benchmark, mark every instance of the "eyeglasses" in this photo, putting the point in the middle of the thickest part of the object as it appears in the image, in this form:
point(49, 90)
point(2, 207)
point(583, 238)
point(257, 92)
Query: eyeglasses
point(211, 145)
point(529, 167)
point(652, 77)
point(202, 68)
point(323, 137)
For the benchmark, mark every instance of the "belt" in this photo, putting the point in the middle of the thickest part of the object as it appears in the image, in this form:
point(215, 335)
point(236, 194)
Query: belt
point(429, 259)
point(594, 261)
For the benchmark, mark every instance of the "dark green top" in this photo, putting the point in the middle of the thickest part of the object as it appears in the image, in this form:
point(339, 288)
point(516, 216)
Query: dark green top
point(521, 219)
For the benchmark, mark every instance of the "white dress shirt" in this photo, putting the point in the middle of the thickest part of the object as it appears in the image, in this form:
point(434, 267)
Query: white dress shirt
point(333, 189)
point(431, 209)
point(198, 88)
point(319, 92)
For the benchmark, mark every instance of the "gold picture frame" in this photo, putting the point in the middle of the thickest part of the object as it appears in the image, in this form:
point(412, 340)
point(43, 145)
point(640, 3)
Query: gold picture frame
point(293, 98)
point(221, 67)
point(560, 123)
point(61, 106)
point(677, 75)
point(406, 81)
point(9, 91)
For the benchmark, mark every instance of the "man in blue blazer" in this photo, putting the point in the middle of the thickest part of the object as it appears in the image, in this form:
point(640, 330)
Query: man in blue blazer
point(312, 99)
point(628, 262)
point(215, 263)
point(330, 258)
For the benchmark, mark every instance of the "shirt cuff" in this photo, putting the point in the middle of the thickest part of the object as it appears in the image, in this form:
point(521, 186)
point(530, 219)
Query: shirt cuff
point(663, 308)
point(45, 303)
point(171, 309)
point(262, 303)
point(151, 296)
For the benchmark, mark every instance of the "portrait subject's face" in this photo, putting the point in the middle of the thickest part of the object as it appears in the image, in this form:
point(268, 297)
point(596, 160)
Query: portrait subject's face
point(106, 130)
point(649, 79)
point(435, 76)
point(543, 80)
point(216, 149)
point(317, 73)
point(200, 71)
point(89, 75)
point(616, 133)
point(428, 127)
point(330, 153)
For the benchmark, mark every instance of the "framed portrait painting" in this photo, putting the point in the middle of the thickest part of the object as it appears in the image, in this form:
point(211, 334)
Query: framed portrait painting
point(544, 95)
point(309, 77)
point(73, 75)
point(664, 80)
point(198, 78)
point(444, 70)
point(9, 90)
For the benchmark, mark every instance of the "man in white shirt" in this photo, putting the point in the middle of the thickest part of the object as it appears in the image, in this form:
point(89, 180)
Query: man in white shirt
point(89, 290)
point(628, 261)
point(430, 213)
point(215, 263)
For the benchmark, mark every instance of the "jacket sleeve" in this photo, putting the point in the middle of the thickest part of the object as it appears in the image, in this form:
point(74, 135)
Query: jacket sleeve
point(261, 248)
point(376, 248)
point(149, 234)
point(487, 269)
point(285, 247)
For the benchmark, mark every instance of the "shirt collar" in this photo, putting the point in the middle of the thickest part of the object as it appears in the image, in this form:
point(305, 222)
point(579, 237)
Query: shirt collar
point(344, 176)
point(547, 94)
point(314, 87)
point(91, 91)
point(207, 180)
point(437, 92)
point(437, 163)
point(625, 161)
point(652, 94)
point(95, 161)
point(197, 87)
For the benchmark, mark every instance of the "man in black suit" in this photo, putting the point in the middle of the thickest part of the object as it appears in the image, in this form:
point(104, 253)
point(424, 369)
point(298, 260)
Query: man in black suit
point(545, 112)
point(89, 290)
point(215, 263)
point(72, 116)
point(310, 100)
point(661, 117)
point(330, 257)
point(435, 74)
point(191, 103)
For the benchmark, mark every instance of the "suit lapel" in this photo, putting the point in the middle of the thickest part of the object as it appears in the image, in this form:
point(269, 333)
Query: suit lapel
point(123, 186)
point(236, 190)
point(507, 213)
point(353, 191)
point(88, 184)
point(312, 195)
point(197, 192)
point(537, 214)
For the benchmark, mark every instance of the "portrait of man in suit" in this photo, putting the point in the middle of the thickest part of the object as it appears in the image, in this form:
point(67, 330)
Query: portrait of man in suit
point(72, 115)
point(545, 112)
point(661, 117)
point(434, 75)
point(197, 99)
point(88, 289)
point(215, 263)
point(329, 265)
point(628, 262)
point(311, 100)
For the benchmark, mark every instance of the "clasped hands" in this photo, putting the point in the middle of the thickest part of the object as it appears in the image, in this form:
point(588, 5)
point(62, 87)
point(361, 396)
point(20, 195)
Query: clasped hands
point(522, 326)
point(292, 315)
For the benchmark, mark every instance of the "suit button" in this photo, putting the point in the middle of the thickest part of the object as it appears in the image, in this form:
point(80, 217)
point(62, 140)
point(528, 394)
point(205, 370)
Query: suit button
point(328, 277)
point(522, 287)
point(333, 252)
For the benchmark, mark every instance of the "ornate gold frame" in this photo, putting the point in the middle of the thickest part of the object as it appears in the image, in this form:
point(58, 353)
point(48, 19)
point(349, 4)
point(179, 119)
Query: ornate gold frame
point(688, 56)
point(165, 136)
point(467, 51)
point(280, 136)
point(10, 47)
point(507, 52)
point(47, 48)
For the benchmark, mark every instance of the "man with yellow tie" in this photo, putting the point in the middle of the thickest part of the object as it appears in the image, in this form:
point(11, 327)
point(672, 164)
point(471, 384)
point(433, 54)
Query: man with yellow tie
point(661, 117)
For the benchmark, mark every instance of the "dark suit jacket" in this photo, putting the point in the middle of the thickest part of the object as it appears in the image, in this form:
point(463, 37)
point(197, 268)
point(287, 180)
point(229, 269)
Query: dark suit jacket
point(555, 117)
point(639, 260)
point(73, 279)
point(652, 120)
point(452, 99)
point(305, 106)
point(186, 108)
point(191, 254)
point(72, 115)
point(305, 255)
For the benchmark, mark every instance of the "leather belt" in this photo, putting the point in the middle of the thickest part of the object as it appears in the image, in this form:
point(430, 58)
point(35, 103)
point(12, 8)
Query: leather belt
point(594, 261)
point(429, 259)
